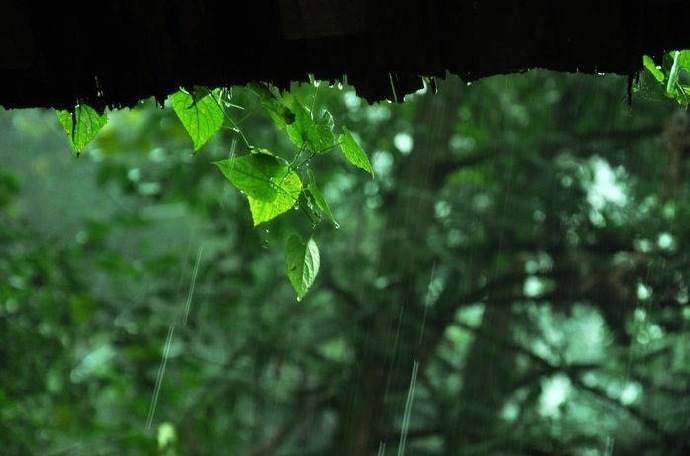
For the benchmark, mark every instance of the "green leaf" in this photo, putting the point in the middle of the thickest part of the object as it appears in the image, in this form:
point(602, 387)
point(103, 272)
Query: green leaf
point(274, 104)
point(319, 198)
point(684, 60)
point(297, 130)
point(271, 186)
point(653, 68)
point(82, 125)
point(303, 263)
point(353, 152)
point(307, 133)
point(199, 112)
point(323, 138)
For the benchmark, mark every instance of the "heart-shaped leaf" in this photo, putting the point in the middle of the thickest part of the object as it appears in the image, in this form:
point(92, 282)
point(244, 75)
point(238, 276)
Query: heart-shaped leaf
point(199, 112)
point(271, 186)
point(81, 125)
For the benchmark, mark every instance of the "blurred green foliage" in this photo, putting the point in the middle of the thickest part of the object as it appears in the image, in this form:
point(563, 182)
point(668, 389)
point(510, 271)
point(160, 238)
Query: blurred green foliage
point(519, 258)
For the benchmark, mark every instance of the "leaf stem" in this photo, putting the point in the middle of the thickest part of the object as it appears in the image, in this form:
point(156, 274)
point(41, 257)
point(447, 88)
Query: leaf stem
point(673, 75)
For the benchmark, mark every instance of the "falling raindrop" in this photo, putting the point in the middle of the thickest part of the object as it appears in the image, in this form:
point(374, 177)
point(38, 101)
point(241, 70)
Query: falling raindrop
point(188, 304)
point(264, 238)
point(608, 450)
point(159, 377)
point(408, 409)
point(382, 449)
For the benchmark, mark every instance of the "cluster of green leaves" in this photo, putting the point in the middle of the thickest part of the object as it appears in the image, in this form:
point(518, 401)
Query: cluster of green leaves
point(272, 183)
point(673, 74)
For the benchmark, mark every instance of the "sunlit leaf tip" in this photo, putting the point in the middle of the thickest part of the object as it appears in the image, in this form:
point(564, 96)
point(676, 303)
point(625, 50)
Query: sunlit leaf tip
point(303, 262)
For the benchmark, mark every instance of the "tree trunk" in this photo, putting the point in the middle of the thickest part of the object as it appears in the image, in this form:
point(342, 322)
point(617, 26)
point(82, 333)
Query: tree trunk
point(488, 380)
point(389, 343)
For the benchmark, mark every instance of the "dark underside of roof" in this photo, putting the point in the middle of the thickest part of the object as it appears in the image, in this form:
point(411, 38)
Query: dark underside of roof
point(115, 53)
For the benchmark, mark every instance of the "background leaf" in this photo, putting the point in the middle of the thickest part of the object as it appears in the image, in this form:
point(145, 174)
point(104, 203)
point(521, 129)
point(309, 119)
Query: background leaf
point(298, 130)
point(200, 113)
point(82, 125)
point(303, 263)
point(271, 186)
point(274, 104)
point(308, 133)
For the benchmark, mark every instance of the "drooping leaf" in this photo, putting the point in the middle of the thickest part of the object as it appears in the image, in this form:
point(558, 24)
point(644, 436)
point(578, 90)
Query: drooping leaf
point(353, 152)
point(271, 186)
point(305, 132)
point(199, 112)
point(653, 68)
point(319, 198)
point(303, 263)
point(82, 125)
